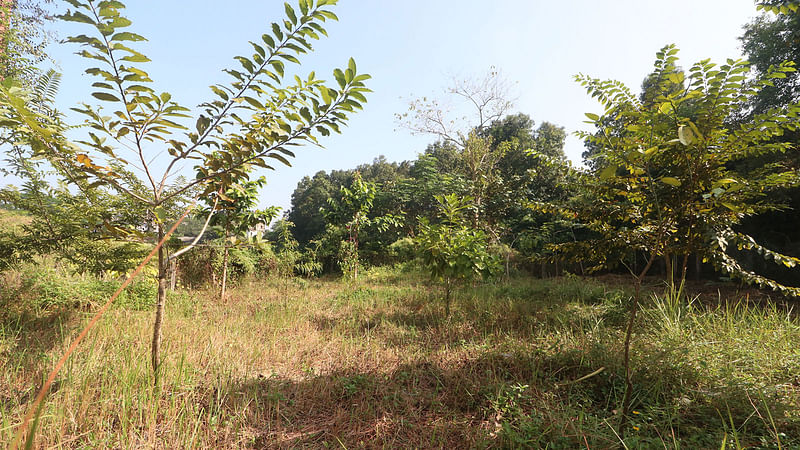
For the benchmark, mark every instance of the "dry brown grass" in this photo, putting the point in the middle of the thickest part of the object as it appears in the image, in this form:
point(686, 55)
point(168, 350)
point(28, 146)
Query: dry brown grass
point(293, 363)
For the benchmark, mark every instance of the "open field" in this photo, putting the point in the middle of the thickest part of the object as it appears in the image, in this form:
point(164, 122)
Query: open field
point(322, 363)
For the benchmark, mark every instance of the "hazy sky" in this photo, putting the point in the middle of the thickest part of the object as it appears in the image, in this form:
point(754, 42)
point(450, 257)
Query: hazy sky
point(412, 48)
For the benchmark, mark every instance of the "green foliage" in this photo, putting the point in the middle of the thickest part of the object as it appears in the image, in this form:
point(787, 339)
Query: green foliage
point(289, 259)
point(496, 165)
point(276, 116)
point(236, 217)
point(236, 212)
point(779, 6)
point(767, 41)
point(97, 231)
point(250, 122)
point(43, 284)
point(348, 260)
point(24, 39)
point(453, 252)
point(670, 186)
point(349, 214)
point(514, 426)
point(207, 263)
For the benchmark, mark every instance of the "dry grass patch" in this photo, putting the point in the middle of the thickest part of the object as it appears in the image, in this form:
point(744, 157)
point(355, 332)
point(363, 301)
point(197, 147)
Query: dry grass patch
point(296, 363)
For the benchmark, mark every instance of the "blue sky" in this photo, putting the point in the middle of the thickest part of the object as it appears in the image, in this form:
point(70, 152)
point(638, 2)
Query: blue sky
point(412, 49)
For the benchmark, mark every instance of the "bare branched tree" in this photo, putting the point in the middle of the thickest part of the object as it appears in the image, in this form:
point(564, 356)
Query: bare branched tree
point(488, 97)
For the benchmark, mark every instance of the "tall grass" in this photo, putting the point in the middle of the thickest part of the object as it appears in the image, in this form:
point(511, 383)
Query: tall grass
point(528, 363)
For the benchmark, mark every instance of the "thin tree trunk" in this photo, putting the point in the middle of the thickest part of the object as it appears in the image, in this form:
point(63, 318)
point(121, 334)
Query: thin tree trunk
point(162, 298)
point(224, 265)
point(626, 401)
point(173, 273)
point(355, 264)
point(224, 272)
point(684, 265)
point(668, 268)
point(508, 265)
point(355, 242)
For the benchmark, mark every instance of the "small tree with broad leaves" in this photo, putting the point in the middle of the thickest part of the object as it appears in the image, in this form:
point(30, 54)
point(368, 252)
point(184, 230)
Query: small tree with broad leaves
point(250, 122)
point(668, 185)
point(452, 251)
point(349, 214)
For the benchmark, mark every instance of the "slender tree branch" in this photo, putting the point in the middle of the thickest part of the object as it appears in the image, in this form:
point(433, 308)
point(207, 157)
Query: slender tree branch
point(299, 132)
point(199, 235)
point(137, 132)
point(202, 139)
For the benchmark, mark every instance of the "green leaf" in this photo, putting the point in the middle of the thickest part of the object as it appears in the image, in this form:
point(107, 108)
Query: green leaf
point(268, 40)
point(339, 75)
point(259, 49)
point(593, 117)
point(120, 22)
point(306, 114)
point(221, 93)
point(202, 124)
point(731, 206)
point(290, 13)
point(671, 181)
point(608, 172)
point(160, 213)
point(278, 66)
point(290, 58)
point(254, 103)
point(136, 58)
point(100, 84)
point(280, 158)
point(105, 96)
point(276, 30)
point(127, 36)
point(77, 17)
point(329, 15)
point(685, 135)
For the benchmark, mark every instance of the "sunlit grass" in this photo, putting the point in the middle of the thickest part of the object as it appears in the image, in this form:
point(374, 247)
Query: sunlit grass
point(288, 363)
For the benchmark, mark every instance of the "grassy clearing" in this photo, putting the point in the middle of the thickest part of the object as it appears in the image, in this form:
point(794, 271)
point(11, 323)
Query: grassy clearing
point(295, 363)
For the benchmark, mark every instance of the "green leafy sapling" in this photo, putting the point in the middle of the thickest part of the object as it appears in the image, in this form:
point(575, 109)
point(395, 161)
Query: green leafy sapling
point(668, 185)
point(136, 143)
point(452, 251)
point(351, 212)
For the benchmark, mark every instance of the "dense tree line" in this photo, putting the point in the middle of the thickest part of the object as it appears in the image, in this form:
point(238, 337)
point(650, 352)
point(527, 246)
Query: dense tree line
point(516, 177)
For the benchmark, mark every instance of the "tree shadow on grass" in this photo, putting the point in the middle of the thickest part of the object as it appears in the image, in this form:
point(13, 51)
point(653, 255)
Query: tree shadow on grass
point(470, 403)
point(419, 405)
point(516, 314)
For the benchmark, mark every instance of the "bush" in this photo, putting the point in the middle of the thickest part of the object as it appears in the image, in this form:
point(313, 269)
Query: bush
point(203, 265)
point(46, 284)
